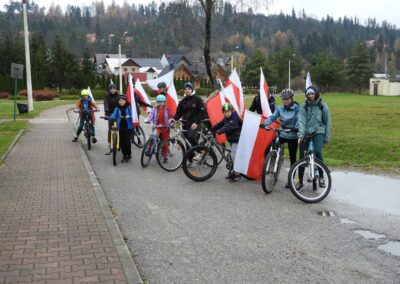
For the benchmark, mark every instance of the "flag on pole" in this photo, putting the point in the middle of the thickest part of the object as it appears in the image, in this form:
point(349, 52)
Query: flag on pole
point(130, 97)
point(90, 94)
point(142, 94)
point(266, 110)
point(214, 110)
point(252, 144)
point(308, 80)
point(228, 95)
point(172, 96)
point(234, 80)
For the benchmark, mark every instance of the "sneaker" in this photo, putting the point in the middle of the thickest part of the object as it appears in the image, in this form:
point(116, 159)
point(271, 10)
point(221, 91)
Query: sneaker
point(321, 182)
point(197, 157)
point(94, 140)
point(165, 160)
point(230, 175)
point(236, 177)
point(189, 165)
point(287, 185)
point(75, 139)
point(299, 186)
point(109, 152)
point(123, 160)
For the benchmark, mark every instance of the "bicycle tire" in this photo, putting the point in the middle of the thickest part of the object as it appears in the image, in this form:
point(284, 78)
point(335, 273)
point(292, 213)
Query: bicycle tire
point(138, 137)
point(308, 193)
point(147, 153)
point(114, 148)
point(268, 177)
point(176, 154)
point(219, 156)
point(207, 161)
point(88, 135)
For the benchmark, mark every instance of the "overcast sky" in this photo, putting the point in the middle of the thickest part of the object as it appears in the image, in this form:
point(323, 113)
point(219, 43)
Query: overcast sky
point(381, 10)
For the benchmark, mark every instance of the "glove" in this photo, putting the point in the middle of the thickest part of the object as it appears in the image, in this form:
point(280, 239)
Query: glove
point(219, 132)
point(261, 125)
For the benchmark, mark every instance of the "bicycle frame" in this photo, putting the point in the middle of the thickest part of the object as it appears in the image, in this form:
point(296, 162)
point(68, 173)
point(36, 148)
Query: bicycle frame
point(114, 130)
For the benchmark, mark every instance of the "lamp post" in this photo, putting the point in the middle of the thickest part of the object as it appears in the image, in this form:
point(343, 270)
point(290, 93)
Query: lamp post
point(119, 64)
point(27, 58)
point(293, 55)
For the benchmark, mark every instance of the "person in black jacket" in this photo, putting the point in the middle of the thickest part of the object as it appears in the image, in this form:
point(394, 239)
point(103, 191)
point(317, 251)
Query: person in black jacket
point(110, 103)
point(256, 104)
point(231, 126)
point(191, 110)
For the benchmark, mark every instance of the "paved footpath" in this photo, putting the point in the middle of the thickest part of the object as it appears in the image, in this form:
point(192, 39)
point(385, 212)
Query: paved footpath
point(53, 228)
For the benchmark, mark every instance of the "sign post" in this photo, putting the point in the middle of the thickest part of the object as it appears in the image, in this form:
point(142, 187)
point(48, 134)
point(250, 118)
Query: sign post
point(17, 71)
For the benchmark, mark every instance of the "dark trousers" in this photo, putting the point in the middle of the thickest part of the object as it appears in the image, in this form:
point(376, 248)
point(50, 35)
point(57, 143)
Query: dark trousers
point(80, 127)
point(318, 141)
point(292, 145)
point(125, 142)
point(193, 137)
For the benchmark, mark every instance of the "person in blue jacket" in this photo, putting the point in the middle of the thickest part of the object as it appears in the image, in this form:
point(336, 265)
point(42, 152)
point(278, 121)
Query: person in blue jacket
point(288, 117)
point(231, 125)
point(123, 115)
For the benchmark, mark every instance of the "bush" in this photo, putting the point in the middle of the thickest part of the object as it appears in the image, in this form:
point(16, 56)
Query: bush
point(41, 94)
point(43, 97)
point(69, 98)
point(204, 91)
point(98, 94)
point(18, 98)
point(251, 91)
point(4, 95)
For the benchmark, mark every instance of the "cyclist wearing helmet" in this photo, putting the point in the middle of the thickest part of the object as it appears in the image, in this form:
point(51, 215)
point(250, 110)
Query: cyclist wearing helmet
point(83, 104)
point(288, 117)
point(231, 126)
point(110, 103)
point(191, 110)
point(160, 116)
point(256, 104)
point(314, 117)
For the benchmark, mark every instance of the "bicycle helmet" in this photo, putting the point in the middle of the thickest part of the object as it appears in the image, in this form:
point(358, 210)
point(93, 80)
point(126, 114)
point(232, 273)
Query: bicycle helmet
point(226, 107)
point(161, 85)
point(160, 98)
point(85, 92)
point(112, 86)
point(287, 94)
point(312, 90)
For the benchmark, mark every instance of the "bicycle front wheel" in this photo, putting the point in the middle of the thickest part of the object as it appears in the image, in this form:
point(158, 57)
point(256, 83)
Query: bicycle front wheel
point(312, 189)
point(268, 177)
point(138, 137)
point(147, 153)
point(114, 148)
point(88, 135)
point(200, 163)
point(170, 154)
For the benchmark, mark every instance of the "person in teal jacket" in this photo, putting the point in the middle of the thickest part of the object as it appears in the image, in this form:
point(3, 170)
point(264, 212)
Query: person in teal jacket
point(314, 118)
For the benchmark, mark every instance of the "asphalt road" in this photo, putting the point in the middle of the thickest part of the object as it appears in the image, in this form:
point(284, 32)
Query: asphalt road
point(221, 232)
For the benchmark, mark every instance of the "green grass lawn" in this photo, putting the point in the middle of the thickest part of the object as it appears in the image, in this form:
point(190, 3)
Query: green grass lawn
point(365, 131)
point(8, 131)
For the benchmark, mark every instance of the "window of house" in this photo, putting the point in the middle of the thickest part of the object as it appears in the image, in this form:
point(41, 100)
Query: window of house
point(125, 69)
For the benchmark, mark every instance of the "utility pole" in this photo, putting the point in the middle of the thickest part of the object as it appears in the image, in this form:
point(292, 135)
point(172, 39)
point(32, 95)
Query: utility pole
point(27, 58)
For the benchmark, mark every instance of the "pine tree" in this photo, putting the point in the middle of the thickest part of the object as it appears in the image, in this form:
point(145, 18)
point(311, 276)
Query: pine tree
point(358, 68)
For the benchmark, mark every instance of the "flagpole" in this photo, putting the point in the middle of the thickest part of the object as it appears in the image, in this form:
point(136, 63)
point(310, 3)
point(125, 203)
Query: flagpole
point(27, 58)
point(120, 69)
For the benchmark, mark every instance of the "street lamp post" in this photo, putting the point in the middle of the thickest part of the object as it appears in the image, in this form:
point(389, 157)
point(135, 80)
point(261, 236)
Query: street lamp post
point(119, 64)
point(293, 55)
point(27, 58)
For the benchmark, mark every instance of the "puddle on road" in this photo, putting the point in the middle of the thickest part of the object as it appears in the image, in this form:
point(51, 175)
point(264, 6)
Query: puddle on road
point(347, 221)
point(392, 248)
point(369, 235)
point(326, 213)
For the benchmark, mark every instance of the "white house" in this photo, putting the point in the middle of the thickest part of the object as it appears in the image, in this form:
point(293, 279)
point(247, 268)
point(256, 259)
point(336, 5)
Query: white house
point(382, 85)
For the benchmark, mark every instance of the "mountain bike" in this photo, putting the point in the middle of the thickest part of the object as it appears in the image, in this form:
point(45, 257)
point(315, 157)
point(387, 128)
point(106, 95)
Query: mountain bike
point(310, 170)
point(114, 143)
point(87, 125)
point(151, 147)
point(273, 161)
point(138, 137)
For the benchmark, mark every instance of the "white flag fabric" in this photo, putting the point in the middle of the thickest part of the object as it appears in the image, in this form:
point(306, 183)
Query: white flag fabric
point(308, 80)
point(90, 94)
point(238, 91)
point(142, 93)
point(172, 96)
point(266, 110)
point(130, 97)
point(229, 95)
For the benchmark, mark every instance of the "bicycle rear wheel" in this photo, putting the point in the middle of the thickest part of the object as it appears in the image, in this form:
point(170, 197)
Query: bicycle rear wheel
point(268, 177)
point(176, 154)
point(147, 153)
point(114, 148)
point(219, 156)
point(311, 191)
point(88, 135)
point(138, 137)
point(203, 165)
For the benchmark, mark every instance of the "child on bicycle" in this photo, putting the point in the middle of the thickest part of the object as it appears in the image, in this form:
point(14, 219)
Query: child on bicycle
point(288, 117)
point(314, 118)
point(123, 115)
point(160, 116)
point(84, 104)
point(231, 126)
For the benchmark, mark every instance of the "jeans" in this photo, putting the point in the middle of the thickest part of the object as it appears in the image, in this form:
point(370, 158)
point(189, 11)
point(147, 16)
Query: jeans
point(80, 127)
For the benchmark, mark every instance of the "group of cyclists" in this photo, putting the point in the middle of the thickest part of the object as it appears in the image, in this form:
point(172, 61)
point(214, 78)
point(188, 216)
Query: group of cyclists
point(313, 117)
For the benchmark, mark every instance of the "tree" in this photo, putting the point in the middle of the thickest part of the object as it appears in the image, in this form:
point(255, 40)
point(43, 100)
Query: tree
point(251, 71)
point(279, 63)
point(327, 70)
point(358, 68)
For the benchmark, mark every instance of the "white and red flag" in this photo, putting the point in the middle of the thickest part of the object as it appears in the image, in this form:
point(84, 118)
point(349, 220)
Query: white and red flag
point(234, 80)
point(214, 110)
point(252, 144)
point(228, 95)
point(308, 80)
point(266, 110)
point(142, 94)
point(130, 97)
point(172, 96)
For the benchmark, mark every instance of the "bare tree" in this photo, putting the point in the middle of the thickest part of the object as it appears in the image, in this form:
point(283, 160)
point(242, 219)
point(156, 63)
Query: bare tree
point(208, 8)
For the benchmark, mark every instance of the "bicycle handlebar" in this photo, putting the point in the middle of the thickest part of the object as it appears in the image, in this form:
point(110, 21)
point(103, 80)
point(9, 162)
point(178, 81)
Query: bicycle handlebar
point(82, 111)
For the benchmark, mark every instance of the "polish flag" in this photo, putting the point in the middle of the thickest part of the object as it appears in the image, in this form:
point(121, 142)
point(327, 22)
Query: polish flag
point(234, 80)
point(252, 145)
point(266, 110)
point(308, 80)
point(130, 97)
point(172, 96)
point(142, 94)
point(228, 94)
point(214, 110)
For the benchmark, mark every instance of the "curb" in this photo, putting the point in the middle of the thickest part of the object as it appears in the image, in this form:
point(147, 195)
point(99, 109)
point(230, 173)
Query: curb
point(4, 157)
point(131, 272)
